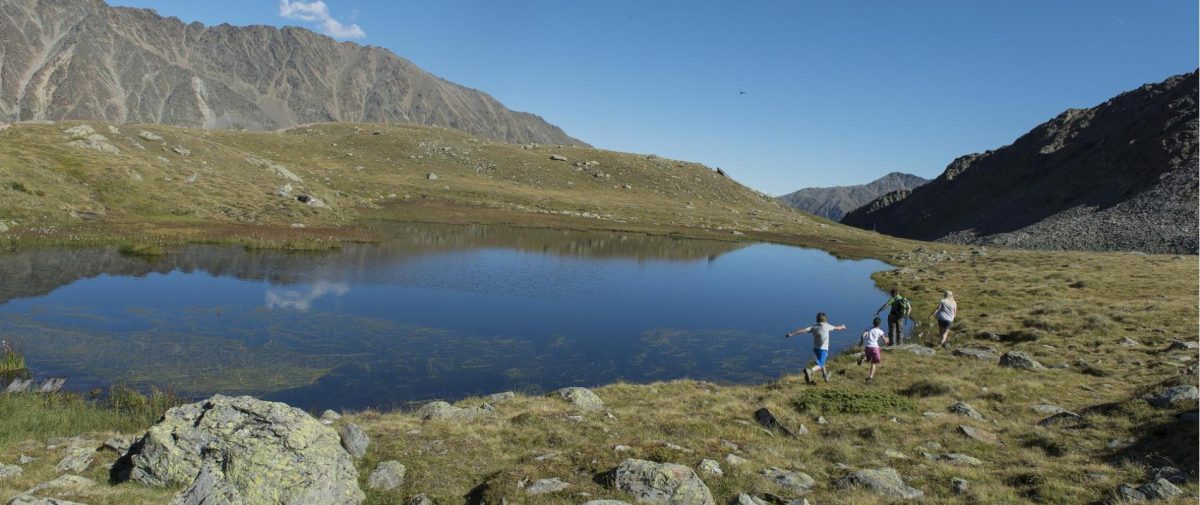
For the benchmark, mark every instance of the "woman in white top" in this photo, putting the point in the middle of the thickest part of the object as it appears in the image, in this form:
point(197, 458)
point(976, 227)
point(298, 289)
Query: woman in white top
point(945, 312)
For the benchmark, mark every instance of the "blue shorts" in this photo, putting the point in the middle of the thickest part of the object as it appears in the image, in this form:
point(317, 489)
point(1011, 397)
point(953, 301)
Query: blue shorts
point(821, 355)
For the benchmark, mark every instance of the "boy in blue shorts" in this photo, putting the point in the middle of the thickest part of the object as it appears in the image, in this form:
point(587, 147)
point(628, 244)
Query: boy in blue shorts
point(820, 333)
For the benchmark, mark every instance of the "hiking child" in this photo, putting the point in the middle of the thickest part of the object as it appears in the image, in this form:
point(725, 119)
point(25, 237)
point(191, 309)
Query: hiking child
point(901, 306)
point(820, 333)
point(871, 351)
point(944, 313)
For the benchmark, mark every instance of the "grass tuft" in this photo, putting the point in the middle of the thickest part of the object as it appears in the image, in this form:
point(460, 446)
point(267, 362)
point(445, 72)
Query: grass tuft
point(852, 402)
point(10, 359)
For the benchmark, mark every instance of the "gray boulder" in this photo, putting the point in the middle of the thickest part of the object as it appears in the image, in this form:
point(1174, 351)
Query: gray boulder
point(881, 481)
point(442, 411)
point(1155, 490)
point(77, 460)
point(1182, 345)
point(980, 354)
point(546, 486)
point(8, 471)
point(979, 435)
point(962, 409)
point(1169, 397)
point(1170, 473)
point(955, 459)
point(1047, 409)
point(919, 350)
point(661, 483)
point(1020, 360)
point(230, 450)
point(767, 419)
point(583, 398)
point(606, 502)
point(1064, 419)
point(354, 440)
point(387, 476)
point(420, 499)
point(745, 499)
point(960, 486)
point(791, 481)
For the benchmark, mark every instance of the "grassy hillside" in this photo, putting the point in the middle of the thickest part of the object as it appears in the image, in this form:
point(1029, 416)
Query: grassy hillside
point(195, 184)
point(1071, 311)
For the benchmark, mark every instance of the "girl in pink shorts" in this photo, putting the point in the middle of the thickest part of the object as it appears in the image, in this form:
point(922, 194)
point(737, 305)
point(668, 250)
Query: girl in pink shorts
point(871, 352)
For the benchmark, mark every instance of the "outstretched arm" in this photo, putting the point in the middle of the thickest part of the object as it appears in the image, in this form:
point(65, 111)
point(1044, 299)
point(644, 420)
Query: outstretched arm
point(798, 331)
point(840, 327)
point(881, 307)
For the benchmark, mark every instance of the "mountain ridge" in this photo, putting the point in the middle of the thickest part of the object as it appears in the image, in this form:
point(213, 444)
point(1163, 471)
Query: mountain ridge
point(834, 202)
point(1120, 176)
point(86, 60)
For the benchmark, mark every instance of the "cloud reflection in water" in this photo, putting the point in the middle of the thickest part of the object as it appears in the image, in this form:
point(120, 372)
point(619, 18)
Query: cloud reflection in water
point(301, 300)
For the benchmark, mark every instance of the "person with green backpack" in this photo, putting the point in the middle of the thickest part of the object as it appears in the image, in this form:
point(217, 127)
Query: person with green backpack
point(900, 307)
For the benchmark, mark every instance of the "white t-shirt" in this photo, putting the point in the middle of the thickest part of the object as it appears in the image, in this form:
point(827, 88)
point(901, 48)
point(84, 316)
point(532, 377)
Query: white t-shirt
point(874, 336)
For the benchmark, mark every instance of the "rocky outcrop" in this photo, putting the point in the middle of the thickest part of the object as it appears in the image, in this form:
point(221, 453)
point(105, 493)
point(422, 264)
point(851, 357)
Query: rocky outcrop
point(1020, 360)
point(1120, 176)
point(229, 450)
point(833, 203)
point(661, 483)
point(82, 59)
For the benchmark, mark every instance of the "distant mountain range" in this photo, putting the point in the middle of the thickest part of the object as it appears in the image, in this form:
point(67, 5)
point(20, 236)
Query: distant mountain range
point(835, 202)
point(82, 59)
point(1119, 176)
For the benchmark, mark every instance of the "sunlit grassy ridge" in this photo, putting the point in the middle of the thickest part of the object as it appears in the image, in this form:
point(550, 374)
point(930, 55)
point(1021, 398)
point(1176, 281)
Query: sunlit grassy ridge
point(1068, 310)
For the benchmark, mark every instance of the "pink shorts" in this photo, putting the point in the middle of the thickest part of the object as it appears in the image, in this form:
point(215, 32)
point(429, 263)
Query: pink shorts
point(873, 355)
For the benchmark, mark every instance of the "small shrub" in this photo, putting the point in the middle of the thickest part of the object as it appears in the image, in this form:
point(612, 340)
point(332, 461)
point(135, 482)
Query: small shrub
point(852, 402)
point(147, 408)
point(17, 186)
point(927, 388)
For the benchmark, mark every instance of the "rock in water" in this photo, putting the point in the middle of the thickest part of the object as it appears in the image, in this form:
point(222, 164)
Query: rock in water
point(883, 482)
point(583, 398)
point(661, 483)
point(245, 450)
point(1018, 359)
point(387, 476)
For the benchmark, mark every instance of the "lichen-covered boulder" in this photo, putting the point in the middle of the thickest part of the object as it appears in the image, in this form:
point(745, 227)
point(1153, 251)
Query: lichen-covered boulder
point(661, 483)
point(245, 450)
point(583, 398)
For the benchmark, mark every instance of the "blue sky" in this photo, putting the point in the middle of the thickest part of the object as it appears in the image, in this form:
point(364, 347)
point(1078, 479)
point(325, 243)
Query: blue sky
point(836, 92)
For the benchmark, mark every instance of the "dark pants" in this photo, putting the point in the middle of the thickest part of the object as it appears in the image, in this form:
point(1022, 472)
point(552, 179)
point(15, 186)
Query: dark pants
point(895, 328)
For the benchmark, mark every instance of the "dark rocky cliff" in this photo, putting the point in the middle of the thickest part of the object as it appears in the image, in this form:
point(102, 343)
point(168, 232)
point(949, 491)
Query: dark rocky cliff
point(1121, 176)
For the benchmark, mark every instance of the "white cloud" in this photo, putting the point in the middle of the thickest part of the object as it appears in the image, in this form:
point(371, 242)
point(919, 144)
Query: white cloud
point(317, 12)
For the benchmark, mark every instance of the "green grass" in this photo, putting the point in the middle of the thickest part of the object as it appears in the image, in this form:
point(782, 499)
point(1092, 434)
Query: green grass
point(10, 359)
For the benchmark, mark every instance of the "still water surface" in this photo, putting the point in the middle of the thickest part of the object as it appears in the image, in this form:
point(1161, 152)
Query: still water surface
point(434, 311)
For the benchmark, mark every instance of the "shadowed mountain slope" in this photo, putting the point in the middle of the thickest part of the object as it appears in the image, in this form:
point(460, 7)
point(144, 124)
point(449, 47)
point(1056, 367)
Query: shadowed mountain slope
point(1118, 176)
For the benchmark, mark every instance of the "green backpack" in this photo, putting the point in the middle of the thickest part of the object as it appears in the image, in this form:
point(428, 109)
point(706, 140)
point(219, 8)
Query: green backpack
point(901, 306)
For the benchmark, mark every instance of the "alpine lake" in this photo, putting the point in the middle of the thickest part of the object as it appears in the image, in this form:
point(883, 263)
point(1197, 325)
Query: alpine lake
point(430, 312)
